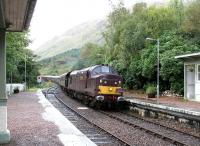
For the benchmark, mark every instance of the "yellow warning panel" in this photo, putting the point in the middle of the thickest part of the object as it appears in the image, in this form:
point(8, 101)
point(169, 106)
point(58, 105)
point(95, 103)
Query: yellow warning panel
point(109, 90)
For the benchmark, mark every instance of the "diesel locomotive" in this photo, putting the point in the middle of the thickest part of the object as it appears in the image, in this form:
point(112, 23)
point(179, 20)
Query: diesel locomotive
point(99, 84)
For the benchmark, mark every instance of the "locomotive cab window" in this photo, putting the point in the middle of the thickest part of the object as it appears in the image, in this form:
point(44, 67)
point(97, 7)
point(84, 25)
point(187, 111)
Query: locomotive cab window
point(103, 70)
point(97, 70)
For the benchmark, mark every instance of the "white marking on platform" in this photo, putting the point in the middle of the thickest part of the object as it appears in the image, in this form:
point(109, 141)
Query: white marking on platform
point(82, 108)
point(70, 135)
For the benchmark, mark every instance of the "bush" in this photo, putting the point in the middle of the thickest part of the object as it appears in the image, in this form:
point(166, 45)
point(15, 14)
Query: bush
point(151, 89)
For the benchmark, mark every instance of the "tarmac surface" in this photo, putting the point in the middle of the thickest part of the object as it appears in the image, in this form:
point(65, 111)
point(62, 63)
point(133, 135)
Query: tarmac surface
point(33, 121)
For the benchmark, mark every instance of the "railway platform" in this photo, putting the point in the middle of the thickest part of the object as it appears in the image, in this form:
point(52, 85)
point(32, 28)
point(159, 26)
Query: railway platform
point(32, 120)
point(172, 107)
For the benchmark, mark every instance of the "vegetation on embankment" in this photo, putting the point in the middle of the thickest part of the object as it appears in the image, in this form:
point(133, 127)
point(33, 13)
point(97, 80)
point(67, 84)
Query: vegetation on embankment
point(177, 25)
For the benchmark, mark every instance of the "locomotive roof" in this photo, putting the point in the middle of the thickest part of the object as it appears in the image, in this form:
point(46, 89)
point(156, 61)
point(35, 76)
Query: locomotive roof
point(85, 69)
point(64, 74)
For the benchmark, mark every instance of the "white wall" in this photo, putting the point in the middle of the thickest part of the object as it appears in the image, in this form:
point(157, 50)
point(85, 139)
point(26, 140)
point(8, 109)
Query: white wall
point(10, 88)
point(197, 83)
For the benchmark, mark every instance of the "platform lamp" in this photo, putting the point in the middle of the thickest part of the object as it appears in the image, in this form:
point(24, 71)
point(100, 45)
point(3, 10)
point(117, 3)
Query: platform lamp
point(25, 72)
point(158, 69)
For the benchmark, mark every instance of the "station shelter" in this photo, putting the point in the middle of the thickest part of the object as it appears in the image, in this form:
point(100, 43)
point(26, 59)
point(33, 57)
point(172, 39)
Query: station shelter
point(15, 16)
point(191, 76)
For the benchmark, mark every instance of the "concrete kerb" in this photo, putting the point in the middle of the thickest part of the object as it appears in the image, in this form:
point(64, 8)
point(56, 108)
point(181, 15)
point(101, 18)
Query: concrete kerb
point(4, 132)
point(4, 137)
point(192, 117)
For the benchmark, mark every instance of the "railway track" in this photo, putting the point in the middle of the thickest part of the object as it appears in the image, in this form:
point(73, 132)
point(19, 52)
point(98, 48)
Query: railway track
point(153, 129)
point(190, 140)
point(97, 134)
point(160, 125)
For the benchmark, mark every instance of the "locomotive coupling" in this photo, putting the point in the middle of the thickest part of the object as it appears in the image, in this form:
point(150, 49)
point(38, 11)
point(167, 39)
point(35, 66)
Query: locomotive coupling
point(120, 98)
point(100, 98)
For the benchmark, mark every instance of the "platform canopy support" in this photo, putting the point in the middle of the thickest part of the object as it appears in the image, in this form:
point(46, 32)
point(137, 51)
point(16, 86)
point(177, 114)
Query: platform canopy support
point(4, 132)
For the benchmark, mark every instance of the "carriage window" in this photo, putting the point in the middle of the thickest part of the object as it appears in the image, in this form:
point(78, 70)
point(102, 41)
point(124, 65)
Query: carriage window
point(198, 72)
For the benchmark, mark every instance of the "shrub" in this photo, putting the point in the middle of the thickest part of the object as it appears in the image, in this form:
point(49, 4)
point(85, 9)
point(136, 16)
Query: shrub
point(151, 89)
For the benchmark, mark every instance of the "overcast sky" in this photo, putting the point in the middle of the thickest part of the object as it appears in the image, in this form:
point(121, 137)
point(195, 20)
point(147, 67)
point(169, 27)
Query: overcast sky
point(54, 17)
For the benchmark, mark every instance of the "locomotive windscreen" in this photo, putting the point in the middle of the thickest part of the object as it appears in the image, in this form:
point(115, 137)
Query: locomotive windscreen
point(103, 69)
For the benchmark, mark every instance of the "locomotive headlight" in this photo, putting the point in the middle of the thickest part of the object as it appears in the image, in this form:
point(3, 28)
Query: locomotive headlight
point(115, 83)
point(101, 81)
point(105, 82)
point(120, 82)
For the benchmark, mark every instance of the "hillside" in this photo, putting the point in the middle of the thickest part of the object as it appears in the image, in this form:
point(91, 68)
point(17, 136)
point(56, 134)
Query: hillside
point(73, 38)
point(60, 63)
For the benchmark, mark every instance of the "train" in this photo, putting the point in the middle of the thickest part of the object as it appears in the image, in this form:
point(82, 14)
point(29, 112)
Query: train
point(96, 85)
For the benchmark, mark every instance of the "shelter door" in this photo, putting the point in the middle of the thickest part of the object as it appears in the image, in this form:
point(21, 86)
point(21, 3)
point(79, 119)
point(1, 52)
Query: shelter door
point(190, 79)
point(197, 86)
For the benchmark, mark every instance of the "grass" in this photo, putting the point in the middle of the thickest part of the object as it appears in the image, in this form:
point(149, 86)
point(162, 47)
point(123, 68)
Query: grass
point(40, 86)
point(33, 89)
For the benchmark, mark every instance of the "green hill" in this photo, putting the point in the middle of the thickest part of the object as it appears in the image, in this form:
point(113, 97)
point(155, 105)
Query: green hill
point(60, 63)
point(73, 38)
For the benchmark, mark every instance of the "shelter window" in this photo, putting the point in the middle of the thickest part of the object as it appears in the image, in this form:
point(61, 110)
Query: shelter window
point(198, 72)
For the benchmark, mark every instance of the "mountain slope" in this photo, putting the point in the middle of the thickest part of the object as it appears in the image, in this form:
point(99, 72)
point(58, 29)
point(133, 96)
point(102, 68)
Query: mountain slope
point(73, 38)
point(60, 63)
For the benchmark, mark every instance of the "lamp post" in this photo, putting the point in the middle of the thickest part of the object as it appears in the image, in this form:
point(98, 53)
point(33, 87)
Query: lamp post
point(25, 72)
point(158, 68)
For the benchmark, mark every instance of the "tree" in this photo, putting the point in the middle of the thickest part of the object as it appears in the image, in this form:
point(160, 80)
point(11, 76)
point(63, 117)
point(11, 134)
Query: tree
point(91, 54)
point(126, 49)
point(17, 53)
point(192, 21)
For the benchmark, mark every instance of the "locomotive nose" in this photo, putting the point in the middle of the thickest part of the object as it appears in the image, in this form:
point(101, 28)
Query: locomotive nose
point(111, 76)
point(110, 79)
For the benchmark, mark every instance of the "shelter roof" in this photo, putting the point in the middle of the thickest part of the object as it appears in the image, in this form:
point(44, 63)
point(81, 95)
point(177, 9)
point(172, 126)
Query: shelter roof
point(188, 56)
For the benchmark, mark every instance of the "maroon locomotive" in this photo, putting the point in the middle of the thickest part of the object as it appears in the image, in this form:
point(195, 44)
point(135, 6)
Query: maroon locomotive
point(96, 84)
